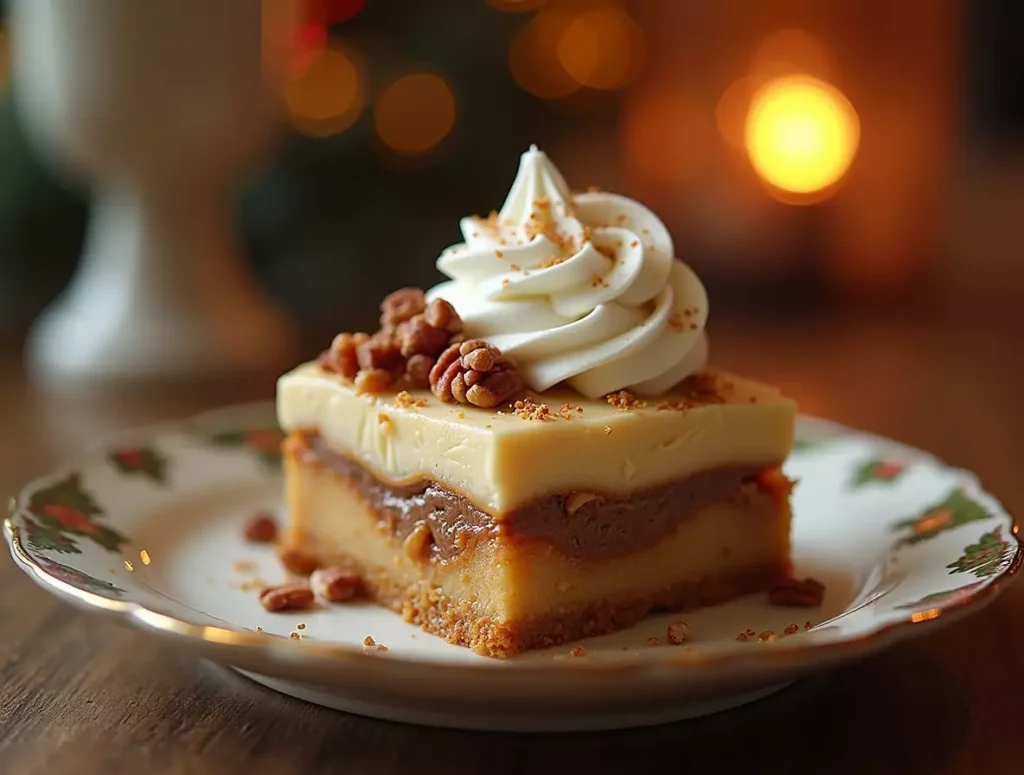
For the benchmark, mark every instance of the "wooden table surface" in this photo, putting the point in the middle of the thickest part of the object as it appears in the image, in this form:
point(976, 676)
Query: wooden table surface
point(83, 696)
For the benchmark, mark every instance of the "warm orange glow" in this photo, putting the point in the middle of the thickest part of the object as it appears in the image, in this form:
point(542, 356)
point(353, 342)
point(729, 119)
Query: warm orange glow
point(533, 56)
point(415, 113)
point(602, 49)
point(924, 616)
point(327, 96)
point(515, 6)
point(666, 135)
point(788, 52)
point(732, 108)
point(801, 134)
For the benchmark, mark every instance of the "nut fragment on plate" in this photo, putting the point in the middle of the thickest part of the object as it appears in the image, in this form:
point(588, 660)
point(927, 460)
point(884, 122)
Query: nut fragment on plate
point(261, 528)
point(288, 597)
point(678, 633)
point(336, 584)
point(475, 373)
point(794, 593)
point(295, 561)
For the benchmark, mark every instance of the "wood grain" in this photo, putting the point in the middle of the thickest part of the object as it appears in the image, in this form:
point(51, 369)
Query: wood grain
point(80, 695)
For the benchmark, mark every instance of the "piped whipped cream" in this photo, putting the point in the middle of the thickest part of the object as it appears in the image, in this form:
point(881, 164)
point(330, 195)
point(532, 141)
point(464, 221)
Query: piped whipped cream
point(583, 288)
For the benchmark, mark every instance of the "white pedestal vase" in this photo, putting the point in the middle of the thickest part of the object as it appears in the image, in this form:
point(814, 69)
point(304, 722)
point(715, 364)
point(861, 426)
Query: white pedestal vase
point(160, 105)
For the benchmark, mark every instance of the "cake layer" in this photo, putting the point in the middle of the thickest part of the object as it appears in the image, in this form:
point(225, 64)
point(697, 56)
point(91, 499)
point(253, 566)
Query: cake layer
point(502, 595)
point(581, 525)
point(502, 461)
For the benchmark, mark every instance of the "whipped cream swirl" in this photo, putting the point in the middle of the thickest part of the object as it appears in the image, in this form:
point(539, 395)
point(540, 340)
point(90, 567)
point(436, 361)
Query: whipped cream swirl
point(578, 288)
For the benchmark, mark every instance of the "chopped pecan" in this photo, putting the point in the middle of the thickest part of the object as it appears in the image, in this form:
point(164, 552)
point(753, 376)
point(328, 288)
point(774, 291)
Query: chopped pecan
point(476, 373)
point(261, 528)
point(417, 337)
point(373, 380)
point(341, 357)
point(417, 370)
point(808, 593)
point(295, 561)
point(380, 351)
point(400, 305)
point(441, 314)
point(290, 597)
point(336, 584)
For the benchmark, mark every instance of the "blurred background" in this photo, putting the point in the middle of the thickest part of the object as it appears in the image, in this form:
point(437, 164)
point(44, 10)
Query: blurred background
point(808, 157)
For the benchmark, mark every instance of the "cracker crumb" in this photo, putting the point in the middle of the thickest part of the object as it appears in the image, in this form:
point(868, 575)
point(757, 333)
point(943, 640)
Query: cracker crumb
point(300, 626)
point(244, 566)
point(381, 647)
point(767, 635)
point(259, 630)
point(368, 641)
point(294, 636)
point(385, 423)
point(653, 642)
point(528, 410)
point(791, 628)
point(578, 651)
point(498, 254)
point(607, 429)
point(675, 322)
point(807, 625)
point(625, 400)
point(678, 632)
point(566, 411)
point(403, 399)
point(504, 283)
point(634, 243)
point(461, 415)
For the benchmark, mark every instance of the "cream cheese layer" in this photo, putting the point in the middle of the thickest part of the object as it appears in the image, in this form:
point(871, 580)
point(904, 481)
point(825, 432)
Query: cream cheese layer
point(504, 461)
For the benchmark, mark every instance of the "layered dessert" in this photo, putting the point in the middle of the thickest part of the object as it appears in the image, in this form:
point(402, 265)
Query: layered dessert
point(536, 450)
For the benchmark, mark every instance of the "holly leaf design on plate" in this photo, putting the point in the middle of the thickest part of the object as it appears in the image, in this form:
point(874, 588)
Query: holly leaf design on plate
point(76, 578)
point(985, 558)
point(67, 510)
point(146, 461)
point(877, 470)
point(955, 510)
point(44, 538)
point(265, 442)
point(944, 598)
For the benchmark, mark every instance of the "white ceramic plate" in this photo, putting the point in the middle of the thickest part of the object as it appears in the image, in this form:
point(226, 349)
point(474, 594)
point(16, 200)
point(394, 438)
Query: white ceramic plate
point(147, 529)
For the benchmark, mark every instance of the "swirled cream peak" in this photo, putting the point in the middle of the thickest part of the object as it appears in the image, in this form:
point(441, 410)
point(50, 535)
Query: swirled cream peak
point(579, 288)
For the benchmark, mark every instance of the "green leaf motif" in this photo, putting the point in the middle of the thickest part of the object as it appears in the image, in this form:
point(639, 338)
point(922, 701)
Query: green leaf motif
point(146, 461)
point(938, 599)
point(77, 578)
point(877, 470)
point(64, 511)
point(43, 538)
point(264, 442)
point(955, 510)
point(985, 558)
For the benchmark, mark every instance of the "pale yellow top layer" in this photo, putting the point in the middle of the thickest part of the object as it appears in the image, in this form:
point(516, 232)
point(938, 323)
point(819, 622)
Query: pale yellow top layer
point(502, 461)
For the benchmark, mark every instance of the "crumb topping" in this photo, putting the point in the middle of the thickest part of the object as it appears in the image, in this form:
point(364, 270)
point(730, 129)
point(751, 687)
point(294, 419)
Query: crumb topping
point(624, 400)
point(404, 400)
point(528, 410)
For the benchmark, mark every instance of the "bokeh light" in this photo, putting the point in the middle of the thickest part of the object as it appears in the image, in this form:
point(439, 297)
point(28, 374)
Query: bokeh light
point(801, 134)
point(5, 61)
point(601, 48)
point(533, 56)
point(667, 135)
point(790, 52)
point(415, 113)
point(333, 11)
point(328, 95)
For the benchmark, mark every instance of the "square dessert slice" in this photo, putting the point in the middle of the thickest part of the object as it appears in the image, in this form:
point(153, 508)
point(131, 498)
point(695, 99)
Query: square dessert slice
point(556, 519)
point(508, 525)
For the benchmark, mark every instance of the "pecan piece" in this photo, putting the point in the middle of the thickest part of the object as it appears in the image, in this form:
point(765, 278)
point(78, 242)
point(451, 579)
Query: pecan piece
point(417, 370)
point(476, 373)
point(261, 528)
point(401, 305)
point(417, 337)
point(290, 597)
point(336, 584)
point(380, 351)
point(441, 314)
point(794, 593)
point(373, 380)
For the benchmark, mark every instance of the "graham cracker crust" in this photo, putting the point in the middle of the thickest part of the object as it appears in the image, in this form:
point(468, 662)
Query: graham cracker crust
point(462, 625)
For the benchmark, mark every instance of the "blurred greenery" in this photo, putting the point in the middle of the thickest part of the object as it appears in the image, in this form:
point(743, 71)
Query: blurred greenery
point(330, 224)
